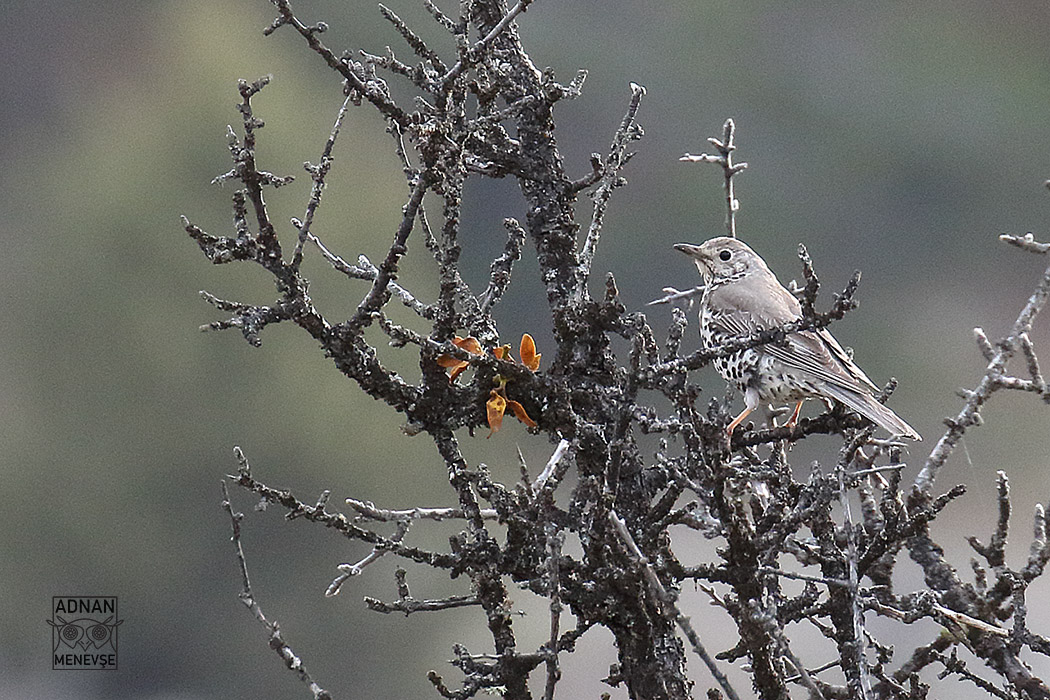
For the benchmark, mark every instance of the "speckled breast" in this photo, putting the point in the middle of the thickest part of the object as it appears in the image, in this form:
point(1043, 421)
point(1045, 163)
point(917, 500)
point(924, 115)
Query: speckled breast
point(739, 368)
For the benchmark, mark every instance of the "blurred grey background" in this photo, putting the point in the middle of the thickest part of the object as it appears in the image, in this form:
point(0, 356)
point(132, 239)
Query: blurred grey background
point(890, 137)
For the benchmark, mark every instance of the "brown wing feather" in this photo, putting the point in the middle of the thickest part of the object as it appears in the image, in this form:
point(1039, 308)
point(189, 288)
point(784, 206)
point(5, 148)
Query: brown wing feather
point(819, 354)
point(764, 303)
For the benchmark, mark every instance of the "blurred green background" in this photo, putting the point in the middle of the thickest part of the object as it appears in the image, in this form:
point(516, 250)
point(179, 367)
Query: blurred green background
point(889, 137)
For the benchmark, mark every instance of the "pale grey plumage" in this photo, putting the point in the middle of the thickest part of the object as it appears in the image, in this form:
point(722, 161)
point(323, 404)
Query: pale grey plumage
point(742, 296)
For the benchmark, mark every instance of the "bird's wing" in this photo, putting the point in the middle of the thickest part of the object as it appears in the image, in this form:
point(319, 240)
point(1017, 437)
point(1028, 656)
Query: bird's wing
point(764, 303)
point(819, 354)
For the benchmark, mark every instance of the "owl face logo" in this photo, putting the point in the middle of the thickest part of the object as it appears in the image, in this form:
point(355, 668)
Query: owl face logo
point(84, 633)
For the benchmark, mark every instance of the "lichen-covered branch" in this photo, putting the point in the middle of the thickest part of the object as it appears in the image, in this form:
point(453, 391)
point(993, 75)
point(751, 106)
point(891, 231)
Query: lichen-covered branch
point(994, 377)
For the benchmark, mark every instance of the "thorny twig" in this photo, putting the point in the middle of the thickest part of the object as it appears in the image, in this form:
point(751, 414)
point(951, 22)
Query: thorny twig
point(611, 178)
point(665, 599)
point(993, 377)
point(406, 604)
point(277, 642)
point(725, 147)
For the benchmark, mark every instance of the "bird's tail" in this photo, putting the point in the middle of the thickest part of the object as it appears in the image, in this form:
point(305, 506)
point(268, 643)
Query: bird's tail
point(867, 406)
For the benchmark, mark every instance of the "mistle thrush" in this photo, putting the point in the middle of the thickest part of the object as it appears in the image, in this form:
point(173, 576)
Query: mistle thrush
point(742, 297)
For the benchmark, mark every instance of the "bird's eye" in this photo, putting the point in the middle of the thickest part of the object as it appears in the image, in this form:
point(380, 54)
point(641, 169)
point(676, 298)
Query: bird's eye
point(725, 255)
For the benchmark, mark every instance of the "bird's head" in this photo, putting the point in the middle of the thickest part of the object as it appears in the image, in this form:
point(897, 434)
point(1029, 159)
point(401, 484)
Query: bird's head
point(723, 258)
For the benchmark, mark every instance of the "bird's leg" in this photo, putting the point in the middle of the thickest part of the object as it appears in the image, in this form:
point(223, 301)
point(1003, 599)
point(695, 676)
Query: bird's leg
point(794, 415)
point(737, 421)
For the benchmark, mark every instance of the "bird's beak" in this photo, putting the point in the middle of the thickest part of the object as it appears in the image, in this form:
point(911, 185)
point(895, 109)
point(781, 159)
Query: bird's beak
point(703, 266)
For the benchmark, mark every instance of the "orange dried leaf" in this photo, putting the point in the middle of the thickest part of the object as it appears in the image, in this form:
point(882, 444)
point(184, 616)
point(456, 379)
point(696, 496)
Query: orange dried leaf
point(454, 364)
point(502, 352)
point(495, 408)
point(520, 414)
point(528, 354)
point(458, 370)
point(470, 344)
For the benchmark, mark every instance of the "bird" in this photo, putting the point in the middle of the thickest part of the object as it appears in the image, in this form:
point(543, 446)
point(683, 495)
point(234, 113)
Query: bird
point(742, 297)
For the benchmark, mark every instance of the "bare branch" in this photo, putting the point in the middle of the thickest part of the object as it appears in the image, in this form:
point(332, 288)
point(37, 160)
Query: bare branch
point(318, 173)
point(407, 604)
point(367, 510)
point(499, 271)
point(380, 291)
point(1026, 242)
point(277, 643)
point(412, 39)
point(610, 179)
point(555, 540)
point(725, 148)
point(474, 54)
point(371, 89)
point(665, 599)
point(969, 414)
